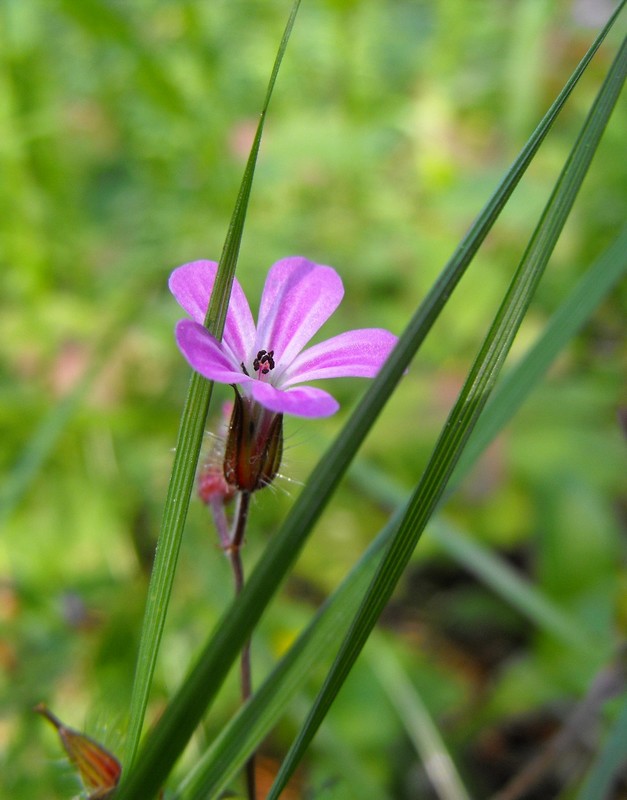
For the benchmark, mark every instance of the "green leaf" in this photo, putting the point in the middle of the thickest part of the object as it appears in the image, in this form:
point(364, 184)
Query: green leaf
point(188, 445)
point(462, 420)
point(165, 743)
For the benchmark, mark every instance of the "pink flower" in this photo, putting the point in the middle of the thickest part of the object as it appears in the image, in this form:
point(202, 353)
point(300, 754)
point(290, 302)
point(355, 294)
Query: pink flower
point(267, 362)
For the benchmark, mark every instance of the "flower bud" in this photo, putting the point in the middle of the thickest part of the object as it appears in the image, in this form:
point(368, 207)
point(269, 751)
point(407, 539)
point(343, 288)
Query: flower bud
point(254, 445)
point(99, 769)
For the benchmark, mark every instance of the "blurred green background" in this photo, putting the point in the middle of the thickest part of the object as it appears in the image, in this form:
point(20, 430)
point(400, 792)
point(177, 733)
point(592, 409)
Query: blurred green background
point(124, 129)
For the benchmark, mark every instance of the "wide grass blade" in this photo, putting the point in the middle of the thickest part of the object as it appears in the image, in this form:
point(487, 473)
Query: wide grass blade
point(188, 445)
point(165, 743)
point(461, 421)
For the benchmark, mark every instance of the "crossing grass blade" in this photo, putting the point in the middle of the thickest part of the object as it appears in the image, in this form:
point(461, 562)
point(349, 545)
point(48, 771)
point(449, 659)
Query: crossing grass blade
point(188, 445)
point(225, 757)
point(167, 740)
point(463, 418)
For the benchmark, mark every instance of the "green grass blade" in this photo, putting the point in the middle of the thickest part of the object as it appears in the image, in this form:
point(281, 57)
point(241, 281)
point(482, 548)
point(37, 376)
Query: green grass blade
point(169, 736)
point(252, 724)
point(505, 581)
point(512, 391)
point(253, 721)
point(466, 411)
point(610, 760)
point(174, 515)
point(188, 445)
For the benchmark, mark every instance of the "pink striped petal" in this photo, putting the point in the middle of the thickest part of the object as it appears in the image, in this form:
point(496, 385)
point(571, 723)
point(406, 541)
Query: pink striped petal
point(304, 401)
point(298, 298)
point(192, 285)
point(354, 354)
point(206, 355)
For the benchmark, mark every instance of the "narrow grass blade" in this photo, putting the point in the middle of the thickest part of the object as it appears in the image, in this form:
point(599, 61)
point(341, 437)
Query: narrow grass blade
point(598, 280)
point(166, 741)
point(419, 725)
point(466, 411)
point(187, 451)
point(252, 724)
point(610, 760)
point(230, 750)
point(506, 582)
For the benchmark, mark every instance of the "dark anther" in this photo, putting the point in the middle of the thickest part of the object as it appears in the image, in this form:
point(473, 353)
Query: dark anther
point(264, 361)
point(244, 370)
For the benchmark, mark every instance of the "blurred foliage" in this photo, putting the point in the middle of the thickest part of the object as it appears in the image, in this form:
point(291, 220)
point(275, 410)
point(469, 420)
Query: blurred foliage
point(124, 129)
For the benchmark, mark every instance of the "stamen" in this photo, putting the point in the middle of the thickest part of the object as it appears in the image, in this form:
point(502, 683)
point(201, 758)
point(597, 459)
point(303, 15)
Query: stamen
point(264, 361)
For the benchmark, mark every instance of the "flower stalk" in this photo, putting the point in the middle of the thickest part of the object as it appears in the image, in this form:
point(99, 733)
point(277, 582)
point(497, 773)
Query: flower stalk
point(235, 557)
point(267, 366)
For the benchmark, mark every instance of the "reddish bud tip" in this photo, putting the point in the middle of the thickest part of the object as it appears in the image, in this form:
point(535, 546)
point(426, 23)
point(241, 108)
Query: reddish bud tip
point(99, 769)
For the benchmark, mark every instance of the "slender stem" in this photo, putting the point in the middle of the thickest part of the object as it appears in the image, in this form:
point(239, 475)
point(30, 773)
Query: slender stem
point(233, 551)
point(241, 518)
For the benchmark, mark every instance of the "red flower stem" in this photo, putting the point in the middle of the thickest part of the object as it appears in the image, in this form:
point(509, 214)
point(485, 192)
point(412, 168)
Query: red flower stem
point(241, 517)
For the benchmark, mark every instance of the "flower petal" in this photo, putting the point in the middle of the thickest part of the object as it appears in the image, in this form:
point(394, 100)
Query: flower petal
point(298, 298)
point(354, 354)
point(192, 285)
point(304, 401)
point(206, 355)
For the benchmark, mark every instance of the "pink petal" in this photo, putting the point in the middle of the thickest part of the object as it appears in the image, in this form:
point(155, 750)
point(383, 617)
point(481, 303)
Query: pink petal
point(206, 355)
point(192, 285)
point(354, 354)
point(298, 298)
point(305, 401)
